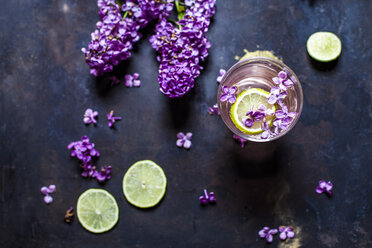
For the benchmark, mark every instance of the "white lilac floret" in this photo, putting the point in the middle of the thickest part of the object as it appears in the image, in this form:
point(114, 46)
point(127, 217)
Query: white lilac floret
point(112, 119)
point(324, 187)
point(286, 232)
point(207, 198)
point(184, 140)
point(46, 191)
point(118, 30)
point(214, 110)
point(90, 116)
point(228, 94)
point(182, 46)
point(267, 233)
point(221, 74)
point(132, 81)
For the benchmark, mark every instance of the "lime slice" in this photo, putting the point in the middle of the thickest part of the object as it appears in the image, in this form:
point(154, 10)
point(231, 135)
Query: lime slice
point(144, 184)
point(244, 102)
point(324, 46)
point(97, 210)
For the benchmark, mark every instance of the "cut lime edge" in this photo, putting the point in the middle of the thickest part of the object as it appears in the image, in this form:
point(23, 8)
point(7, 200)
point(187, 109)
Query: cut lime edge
point(308, 48)
point(232, 110)
point(161, 196)
point(78, 212)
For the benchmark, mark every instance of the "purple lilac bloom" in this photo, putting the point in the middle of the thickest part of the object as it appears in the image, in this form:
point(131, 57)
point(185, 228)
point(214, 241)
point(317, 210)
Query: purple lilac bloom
point(182, 47)
point(324, 187)
point(240, 139)
point(132, 81)
point(112, 119)
point(103, 175)
point(228, 94)
point(267, 233)
point(89, 116)
point(46, 191)
point(84, 150)
point(286, 232)
point(207, 198)
point(214, 110)
point(220, 76)
point(184, 140)
point(283, 118)
point(118, 30)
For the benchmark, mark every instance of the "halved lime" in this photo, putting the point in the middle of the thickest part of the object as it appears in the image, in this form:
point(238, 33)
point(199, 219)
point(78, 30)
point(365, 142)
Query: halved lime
point(97, 210)
point(324, 46)
point(144, 184)
point(244, 102)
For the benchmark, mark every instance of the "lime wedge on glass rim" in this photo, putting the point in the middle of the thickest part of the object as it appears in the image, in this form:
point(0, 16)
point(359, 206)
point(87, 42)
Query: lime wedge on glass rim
point(144, 184)
point(97, 210)
point(244, 102)
point(324, 46)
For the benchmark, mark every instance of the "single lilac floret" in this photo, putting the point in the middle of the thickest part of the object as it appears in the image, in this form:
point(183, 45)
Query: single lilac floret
point(240, 139)
point(267, 233)
point(286, 232)
point(207, 198)
point(46, 191)
point(214, 110)
point(89, 116)
point(132, 81)
point(184, 140)
point(265, 127)
point(220, 76)
point(228, 94)
point(324, 187)
point(112, 119)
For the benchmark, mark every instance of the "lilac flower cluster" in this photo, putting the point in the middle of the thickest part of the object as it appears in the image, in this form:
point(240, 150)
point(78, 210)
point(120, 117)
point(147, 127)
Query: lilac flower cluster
point(84, 151)
point(268, 233)
point(182, 47)
point(118, 30)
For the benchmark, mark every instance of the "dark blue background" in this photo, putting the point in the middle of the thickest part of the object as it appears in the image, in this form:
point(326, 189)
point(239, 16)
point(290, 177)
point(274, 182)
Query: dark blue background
point(45, 88)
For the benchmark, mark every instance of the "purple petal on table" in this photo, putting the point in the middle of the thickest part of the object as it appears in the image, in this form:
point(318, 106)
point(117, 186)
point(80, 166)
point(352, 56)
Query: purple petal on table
point(188, 135)
point(44, 190)
point(319, 190)
point(48, 199)
point(283, 236)
point(273, 231)
point(180, 135)
point(187, 144)
point(290, 234)
point(180, 142)
point(269, 238)
point(52, 188)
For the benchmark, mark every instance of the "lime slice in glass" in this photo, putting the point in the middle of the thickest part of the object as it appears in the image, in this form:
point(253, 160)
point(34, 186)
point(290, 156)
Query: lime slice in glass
point(243, 104)
point(97, 210)
point(144, 184)
point(324, 46)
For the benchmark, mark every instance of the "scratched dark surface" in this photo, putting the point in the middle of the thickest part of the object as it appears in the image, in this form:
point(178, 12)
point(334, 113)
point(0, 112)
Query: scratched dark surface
point(45, 88)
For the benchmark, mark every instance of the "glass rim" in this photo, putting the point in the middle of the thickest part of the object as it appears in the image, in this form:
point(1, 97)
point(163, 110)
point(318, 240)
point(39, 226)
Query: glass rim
point(281, 64)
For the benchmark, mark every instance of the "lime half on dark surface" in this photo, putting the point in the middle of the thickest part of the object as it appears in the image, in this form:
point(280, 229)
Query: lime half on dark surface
point(324, 46)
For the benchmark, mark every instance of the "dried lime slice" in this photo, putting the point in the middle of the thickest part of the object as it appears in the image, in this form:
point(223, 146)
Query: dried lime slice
point(144, 184)
point(324, 46)
point(97, 210)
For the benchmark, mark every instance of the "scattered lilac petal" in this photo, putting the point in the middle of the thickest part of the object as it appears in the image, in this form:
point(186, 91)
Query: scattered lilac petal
point(324, 187)
point(112, 119)
point(267, 233)
point(220, 76)
point(184, 140)
point(89, 116)
point(214, 110)
point(286, 232)
point(207, 198)
point(132, 81)
point(48, 199)
point(240, 139)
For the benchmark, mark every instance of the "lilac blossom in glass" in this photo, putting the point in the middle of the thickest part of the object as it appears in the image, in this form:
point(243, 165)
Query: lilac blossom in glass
point(228, 94)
